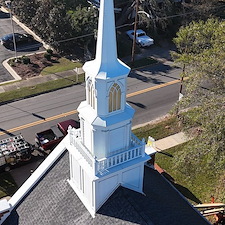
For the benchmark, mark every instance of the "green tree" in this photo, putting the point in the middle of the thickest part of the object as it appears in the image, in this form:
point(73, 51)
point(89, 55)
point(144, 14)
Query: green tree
point(201, 47)
point(25, 9)
point(158, 14)
point(84, 24)
point(201, 9)
point(52, 23)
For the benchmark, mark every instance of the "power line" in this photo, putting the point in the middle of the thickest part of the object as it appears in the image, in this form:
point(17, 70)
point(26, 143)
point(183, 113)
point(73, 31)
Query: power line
point(130, 24)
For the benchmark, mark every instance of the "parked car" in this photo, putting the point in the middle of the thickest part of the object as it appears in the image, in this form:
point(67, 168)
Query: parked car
point(141, 38)
point(4, 15)
point(7, 40)
point(63, 126)
point(49, 139)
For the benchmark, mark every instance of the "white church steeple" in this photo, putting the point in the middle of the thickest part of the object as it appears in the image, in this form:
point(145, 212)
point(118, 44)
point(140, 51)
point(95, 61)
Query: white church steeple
point(104, 153)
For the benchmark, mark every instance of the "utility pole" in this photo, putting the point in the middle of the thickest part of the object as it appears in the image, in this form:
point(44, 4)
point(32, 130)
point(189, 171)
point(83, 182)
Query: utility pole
point(135, 30)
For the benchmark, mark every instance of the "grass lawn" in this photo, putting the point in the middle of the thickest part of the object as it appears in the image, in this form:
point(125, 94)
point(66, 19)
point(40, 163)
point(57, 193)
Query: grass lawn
point(63, 65)
point(166, 127)
point(40, 88)
point(7, 185)
point(197, 188)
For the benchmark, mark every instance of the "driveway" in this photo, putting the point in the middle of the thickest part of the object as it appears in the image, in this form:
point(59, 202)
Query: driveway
point(6, 28)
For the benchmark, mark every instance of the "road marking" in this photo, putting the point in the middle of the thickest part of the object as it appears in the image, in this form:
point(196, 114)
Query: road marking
point(75, 111)
point(38, 122)
point(152, 88)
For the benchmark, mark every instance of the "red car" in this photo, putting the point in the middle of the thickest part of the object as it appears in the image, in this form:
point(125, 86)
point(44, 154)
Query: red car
point(63, 126)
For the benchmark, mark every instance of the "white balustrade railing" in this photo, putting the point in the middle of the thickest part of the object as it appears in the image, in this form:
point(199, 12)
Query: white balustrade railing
point(75, 140)
point(134, 140)
point(120, 158)
point(136, 150)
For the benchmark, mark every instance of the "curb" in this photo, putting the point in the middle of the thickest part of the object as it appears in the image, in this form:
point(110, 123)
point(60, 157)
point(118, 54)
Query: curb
point(11, 71)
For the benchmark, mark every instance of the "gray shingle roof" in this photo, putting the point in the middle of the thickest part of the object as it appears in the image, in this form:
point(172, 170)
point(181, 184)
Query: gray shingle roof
point(53, 201)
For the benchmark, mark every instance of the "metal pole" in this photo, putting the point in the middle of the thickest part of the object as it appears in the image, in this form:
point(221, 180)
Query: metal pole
point(181, 83)
point(135, 30)
point(9, 5)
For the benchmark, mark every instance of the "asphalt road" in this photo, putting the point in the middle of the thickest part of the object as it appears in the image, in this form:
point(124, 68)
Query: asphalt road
point(150, 91)
point(6, 28)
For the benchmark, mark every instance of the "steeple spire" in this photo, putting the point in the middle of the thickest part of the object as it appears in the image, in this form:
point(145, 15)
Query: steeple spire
point(106, 64)
point(106, 51)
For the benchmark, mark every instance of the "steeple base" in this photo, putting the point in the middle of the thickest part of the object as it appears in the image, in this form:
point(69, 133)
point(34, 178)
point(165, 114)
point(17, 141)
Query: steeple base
point(94, 191)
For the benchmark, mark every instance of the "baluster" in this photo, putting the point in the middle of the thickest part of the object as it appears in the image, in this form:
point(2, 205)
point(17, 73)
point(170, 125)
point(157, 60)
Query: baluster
point(70, 134)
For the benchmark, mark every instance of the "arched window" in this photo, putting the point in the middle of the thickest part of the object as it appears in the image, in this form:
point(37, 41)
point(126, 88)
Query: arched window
point(114, 98)
point(91, 94)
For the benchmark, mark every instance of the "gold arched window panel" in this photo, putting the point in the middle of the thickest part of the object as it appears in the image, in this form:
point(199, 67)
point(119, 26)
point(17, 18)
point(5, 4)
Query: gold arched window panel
point(114, 98)
point(91, 94)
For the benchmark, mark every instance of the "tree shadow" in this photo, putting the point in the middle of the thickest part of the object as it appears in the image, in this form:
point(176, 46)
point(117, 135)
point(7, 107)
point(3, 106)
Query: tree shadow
point(54, 61)
point(183, 190)
point(148, 74)
point(35, 65)
point(160, 68)
point(137, 104)
point(165, 153)
point(145, 78)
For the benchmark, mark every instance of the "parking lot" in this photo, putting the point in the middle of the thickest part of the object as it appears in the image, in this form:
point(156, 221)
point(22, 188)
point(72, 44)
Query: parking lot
point(28, 48)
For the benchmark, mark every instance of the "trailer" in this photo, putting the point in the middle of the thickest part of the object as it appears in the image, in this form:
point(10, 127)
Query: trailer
point(14, 150)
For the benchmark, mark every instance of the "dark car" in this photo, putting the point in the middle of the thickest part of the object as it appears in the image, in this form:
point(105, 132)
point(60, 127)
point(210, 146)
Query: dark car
point(7, 40)
point(4, 15)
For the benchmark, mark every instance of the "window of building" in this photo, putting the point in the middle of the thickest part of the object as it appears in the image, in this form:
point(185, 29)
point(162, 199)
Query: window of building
point(91, 94)
point(114, 98)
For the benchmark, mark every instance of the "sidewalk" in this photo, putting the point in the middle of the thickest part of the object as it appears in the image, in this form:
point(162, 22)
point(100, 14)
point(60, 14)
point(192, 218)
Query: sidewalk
point(165, 143)
point(171, 141)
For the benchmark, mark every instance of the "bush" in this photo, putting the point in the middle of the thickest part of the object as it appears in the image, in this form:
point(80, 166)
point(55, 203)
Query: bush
point(47, 56)
point(11, 63)
point(50, 51)
point(26, 60)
